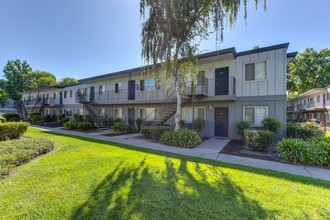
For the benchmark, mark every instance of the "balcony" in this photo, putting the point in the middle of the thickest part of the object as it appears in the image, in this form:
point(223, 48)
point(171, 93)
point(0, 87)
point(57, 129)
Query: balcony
point(54, 101)
point(290, 108)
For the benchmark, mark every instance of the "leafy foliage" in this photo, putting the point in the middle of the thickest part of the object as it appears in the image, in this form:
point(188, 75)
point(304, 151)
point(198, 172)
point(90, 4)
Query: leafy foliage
point(272, 124)
point(67, 81)
point(258, 139)
point(85, 125)
point(306, 133)
point(78, 117)
point(182, 138)
point(308, 70)
point(17, 152)
point(111, 122)
point(154, 132)
point(9, 116)
point(2, 119)
point(72, 124)
point(199, 123)
point(138, 123)
point(12, 130)
point(241, 127)
point(3, 98)
point(121, 128)
point(41, 79)
point(35, 117)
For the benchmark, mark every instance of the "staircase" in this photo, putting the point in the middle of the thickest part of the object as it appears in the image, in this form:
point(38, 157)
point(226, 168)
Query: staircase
point(98, 120)
point(21, 110)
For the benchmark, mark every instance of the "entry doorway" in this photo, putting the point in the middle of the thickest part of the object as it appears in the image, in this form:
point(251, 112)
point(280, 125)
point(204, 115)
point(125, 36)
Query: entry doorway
point(221, 122)
point(221, 81)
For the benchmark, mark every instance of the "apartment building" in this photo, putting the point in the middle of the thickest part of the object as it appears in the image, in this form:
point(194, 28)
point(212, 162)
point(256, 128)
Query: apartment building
point(231, 87)
point(314, 103)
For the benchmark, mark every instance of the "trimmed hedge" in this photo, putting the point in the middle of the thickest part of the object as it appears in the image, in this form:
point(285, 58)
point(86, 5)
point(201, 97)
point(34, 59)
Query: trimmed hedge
point(84, 125)
point(182, 138)
point(35, 117)
point(272, 124)
point(78, 117)
point(258, 139)
point(2, 119)
point(17, 152)
point(154, 132)
point(9, 116)
point(121, 128)
point(306, 133)
point(72, 124)
point(12, 130)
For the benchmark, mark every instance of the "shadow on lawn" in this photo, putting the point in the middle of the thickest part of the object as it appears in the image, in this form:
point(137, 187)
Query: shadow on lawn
point(176, 193)
point(285, 176)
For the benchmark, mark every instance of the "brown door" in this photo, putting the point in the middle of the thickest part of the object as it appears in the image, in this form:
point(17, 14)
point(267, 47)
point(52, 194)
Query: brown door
point(221, 122)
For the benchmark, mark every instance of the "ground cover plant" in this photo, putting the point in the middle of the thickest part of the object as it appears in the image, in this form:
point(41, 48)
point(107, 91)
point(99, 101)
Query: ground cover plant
point(87, 179)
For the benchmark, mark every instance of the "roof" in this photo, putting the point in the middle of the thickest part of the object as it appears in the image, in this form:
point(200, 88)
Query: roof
point(308, 93)
point(230, 50)
point(45, 88)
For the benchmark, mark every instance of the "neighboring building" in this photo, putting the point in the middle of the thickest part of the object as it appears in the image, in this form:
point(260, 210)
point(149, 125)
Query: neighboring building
point(10, 107)
point(231, 87)
point(314, 103)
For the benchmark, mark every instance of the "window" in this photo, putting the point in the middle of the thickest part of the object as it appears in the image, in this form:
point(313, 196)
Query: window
point(147, 84)
point(318, 98)
point(118, 87)
point(189, 114)
point(256, 71)
point(54, 95)
point(101, 90)
point(147, 113)
point(328, 116)
point(318, 116)
point(68, 112)
point(65, 94)
point(54, 112)
point(70, 93)
point(255, 115)
point(201, 78)
point(118, 113)
point(60, 111)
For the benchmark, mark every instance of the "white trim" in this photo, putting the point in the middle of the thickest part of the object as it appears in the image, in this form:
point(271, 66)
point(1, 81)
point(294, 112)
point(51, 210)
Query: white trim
point(256, 80)
point(120, 113)
point(244, 107)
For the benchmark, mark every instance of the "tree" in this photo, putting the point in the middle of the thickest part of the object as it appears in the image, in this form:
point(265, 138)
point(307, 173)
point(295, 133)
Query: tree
point(310, 69)
point(17, 78)
point(41, 79)
point(67, 81)
point(3, 98)
point(171, 34)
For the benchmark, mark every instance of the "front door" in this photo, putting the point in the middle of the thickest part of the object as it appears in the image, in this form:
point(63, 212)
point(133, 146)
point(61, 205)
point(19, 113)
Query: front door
point(221, 122)
point(222, 81)
point(92, 94)
point(131, 90)
point(131, 116)
point(61, 98)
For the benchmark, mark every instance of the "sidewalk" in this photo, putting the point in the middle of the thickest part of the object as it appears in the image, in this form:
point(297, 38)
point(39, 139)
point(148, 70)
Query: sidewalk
point(209, 149)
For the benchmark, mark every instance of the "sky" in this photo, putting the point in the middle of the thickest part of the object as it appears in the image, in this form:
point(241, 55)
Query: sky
point(85, 38)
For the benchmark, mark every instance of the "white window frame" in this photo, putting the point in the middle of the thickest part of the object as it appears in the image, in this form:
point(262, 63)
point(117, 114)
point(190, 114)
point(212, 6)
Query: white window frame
point(194, 112)
point(255, 125)
point(120, 113)
point(147, 113)
point(101, 89)
point(256, 80)
point(120, 89)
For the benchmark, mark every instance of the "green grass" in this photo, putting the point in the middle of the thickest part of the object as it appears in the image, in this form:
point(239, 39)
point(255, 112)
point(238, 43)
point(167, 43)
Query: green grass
point(87, 179)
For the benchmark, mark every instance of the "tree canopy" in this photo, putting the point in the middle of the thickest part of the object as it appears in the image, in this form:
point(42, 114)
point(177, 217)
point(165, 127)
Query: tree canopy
point(67, 81)
point(173, 30)
point(41, 79)
point(310, 69)
point(3, 98)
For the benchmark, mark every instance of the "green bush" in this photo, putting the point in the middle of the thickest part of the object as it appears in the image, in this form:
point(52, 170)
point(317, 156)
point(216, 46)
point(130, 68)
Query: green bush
point(9, 116)
point(121, 128)
point(14, 119)
point(78, 118)
point(17, 152)
point(72, 124)
point(241, 127)
point(297, 150)
point(138, 122)
point(154, 132)
point(84, 125)
point(54, 118)
point(199, 123)
point(2, 119)
point(111, 122)
point(291, 131)
point(324, 143)
point(89, 119)
point(118, 120)
point(306, 133)
point(258, 139)
point(61, 118)
point(12, 130)
point(272, 124)
point(182, 138)
point(48, 118)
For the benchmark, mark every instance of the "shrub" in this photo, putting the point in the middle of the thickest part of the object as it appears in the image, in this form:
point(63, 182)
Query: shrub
point(181, 138)
point(61, 118)
point(89, 118)
point(258, 139)
point(182, 122)
point(309, 124)
point(16, 152)
point(72, 124)
point(121, 128)
point(272, 124)
point(291, 131)
point(111, 122)
point(297, 150)
point(48, 118)
point(138, 122)
point(199, 123)
point(324, 143)
point(78, 118)
point(241, 127)
point(54, 117)
point(154, 132)
point(118, 120)
point(12, 130)
point(84, 125)
point(306, 133)
point(2, 119)
point(9, 116)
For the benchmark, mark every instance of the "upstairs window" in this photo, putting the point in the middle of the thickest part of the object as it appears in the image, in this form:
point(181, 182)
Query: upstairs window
point(256, 71)
point(147, 84)
point(318, 98)
point(118, 113)
point(101, 90)
point(65, 94)
point(118, 87)
point(70, 93)
point(255, 115)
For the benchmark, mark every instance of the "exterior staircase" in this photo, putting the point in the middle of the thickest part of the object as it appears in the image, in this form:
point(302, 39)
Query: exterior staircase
point(21, 110)
point(98, 120)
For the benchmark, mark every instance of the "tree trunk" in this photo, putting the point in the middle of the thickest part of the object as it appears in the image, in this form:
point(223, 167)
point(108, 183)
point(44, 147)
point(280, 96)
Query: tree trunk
point(178, 106)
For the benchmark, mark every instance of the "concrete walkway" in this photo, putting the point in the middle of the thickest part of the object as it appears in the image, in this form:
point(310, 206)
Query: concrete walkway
point(209, 149)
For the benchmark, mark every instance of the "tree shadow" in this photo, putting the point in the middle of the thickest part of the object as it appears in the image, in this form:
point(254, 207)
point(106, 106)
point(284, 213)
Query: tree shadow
point(271, 173)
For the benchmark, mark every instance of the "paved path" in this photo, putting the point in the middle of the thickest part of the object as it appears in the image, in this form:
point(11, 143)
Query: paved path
point(209, 149)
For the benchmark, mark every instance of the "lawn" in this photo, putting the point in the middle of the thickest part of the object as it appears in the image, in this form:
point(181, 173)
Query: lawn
point(87, 179)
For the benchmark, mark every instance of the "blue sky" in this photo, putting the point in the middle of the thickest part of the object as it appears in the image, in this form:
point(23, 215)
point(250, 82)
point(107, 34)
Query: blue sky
point(83, 38)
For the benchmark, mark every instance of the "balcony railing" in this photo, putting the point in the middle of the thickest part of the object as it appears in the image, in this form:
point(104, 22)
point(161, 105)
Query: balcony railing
point(290, 108)
point(311, 104)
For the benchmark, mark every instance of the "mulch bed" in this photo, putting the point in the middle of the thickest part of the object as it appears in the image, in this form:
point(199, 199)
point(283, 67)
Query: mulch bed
point(52, 124)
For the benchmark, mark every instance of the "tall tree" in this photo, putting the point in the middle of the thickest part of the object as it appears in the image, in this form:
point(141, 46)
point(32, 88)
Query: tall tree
point(310, 69)
point(17, 78)
point(172, 31)
point(67, 81)
point(3, 98)
point(41, 79)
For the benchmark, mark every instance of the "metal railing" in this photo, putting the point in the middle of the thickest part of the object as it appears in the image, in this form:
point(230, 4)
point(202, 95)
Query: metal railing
point(290, 108)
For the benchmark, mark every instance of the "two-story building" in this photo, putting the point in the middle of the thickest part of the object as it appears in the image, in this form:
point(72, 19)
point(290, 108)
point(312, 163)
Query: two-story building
point(231, 87)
